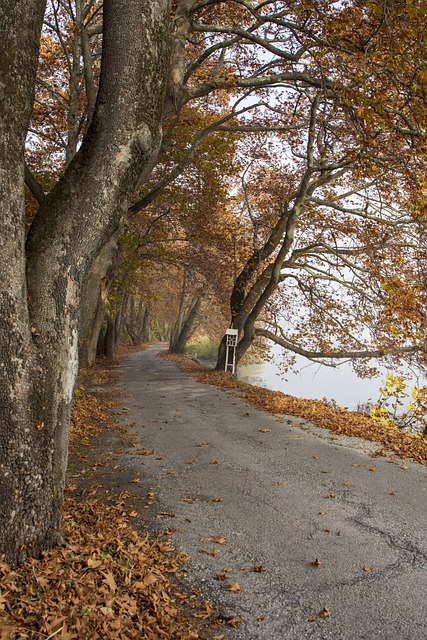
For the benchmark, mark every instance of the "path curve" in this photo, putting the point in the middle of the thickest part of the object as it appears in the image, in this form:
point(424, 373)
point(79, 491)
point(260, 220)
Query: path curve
point(289, 498)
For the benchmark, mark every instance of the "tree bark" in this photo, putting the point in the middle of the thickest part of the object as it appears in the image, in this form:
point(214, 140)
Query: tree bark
point(182, 333)
point(39, 339)
point(94, 304)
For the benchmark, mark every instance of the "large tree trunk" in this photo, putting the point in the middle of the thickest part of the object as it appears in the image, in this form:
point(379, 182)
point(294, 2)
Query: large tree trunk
point(23, 440)
point(39, 338)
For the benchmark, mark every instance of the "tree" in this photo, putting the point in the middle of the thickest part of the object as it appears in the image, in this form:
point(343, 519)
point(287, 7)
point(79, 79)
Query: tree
point(42, 282)
point(336, 267)
point(336, 264)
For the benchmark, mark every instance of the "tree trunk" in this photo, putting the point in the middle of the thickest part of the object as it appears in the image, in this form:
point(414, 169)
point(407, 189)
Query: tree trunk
point(39, 337)
point(146, 326)
point(26, 496)
point(110, 339)
point(94, 305)
point(182, 332)
point(100, 344)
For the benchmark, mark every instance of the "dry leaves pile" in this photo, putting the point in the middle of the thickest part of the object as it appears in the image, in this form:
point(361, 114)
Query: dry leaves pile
point(349, 423)
point(108, 582)
point(89, 415)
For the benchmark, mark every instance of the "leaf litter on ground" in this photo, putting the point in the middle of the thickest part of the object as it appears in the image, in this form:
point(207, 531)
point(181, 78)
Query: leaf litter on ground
point(339, 421)
point(110, 581)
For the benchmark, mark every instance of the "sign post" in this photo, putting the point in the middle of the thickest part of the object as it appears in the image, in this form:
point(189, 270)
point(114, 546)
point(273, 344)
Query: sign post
point(232, 336)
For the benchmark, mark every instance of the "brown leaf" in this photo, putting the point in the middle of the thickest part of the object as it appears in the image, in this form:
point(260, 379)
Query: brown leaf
point(109, 580)
point(218, 539)
point(216, 500)
point(260, 569)
point(315, 563)
point(325, 613)
point(235, 586)
point(367, 569)
point(264, 430)
point(150, 578)
point(210, 552)
point(233, 622)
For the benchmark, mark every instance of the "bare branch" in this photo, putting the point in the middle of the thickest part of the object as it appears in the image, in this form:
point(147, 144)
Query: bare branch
point(336, 355)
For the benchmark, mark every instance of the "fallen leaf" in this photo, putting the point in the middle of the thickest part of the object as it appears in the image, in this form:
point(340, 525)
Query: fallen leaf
point(264, 430)
point(235, 586)
point(322, 513)
point(279, 484)
point(373, 469)
point(331, 494)
point(150, 578)
point(216, 500)
point(218, 539)
point(315, 563)
point(233, 622)
point(260, 569)
point(109, 580)
point(210, 552)
point(325, 613)
point(367, 569)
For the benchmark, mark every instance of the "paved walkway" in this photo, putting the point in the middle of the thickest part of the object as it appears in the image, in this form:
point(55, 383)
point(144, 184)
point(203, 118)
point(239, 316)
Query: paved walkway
point(340, 534)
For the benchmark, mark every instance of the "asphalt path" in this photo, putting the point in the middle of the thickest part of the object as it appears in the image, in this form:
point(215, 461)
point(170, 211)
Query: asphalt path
point(337, 538)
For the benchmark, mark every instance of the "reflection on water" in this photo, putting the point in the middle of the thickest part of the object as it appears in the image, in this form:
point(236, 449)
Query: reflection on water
point(315, 381)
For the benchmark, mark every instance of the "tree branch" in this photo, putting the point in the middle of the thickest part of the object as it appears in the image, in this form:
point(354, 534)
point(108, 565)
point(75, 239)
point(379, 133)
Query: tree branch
point(34, 186)
point(336, 355)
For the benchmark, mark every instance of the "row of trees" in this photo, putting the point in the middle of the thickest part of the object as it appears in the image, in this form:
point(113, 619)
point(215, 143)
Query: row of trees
point(272, 153)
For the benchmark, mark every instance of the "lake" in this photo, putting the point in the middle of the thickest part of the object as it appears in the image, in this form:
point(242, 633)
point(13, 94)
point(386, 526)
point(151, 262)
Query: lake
point(316, 381)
